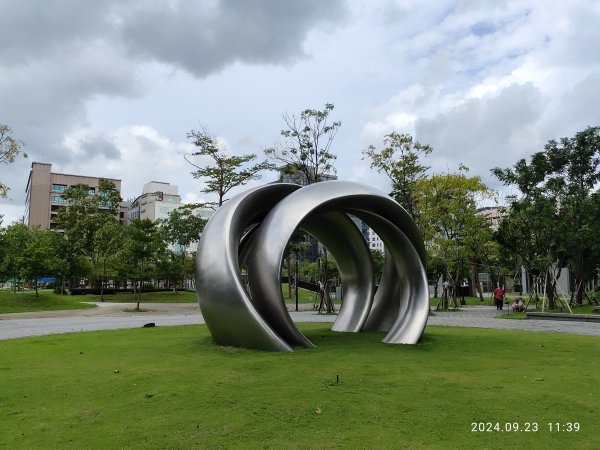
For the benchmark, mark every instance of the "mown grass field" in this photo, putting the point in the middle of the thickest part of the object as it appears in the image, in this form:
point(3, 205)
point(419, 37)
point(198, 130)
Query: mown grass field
point(148, 297)
point(11, 302)
point(304, 296)
point(172, 388)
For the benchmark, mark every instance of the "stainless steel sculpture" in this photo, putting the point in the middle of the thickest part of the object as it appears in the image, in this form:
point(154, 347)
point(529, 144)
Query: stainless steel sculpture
point(254, 228)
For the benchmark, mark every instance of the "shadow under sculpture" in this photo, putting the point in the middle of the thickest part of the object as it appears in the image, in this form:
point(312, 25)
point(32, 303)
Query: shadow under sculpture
point(253, 228)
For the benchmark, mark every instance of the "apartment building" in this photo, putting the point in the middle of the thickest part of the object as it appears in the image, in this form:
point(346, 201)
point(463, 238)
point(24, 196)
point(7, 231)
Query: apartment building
point(44, 194)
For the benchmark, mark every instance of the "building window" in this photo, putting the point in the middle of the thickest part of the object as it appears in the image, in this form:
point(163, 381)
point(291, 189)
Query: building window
point(57, 199)
point(91, 191)
point(59, 187)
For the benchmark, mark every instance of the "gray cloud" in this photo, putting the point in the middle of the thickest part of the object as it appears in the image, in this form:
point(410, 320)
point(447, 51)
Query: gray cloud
point(38, 28)
point(203, 40)
point(57, 56)
point(99, 146)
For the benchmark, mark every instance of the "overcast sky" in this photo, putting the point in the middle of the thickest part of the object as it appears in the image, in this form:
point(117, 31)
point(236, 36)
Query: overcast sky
point(110, 88)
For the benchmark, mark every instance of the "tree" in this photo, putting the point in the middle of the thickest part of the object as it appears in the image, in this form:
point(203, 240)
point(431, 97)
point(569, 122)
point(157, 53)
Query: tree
point(182, 228)
point(529, 232)
point(378, 264)
point(36, 256)
point(449, 224)
point(67, 262)
point(25, 253)
point(306, 144)
point(144, 247)
point(297, 245)
point(400, 161)
point(85, 213)
point(305, 149)
point(559, 187)
point(14, 238)
point(227, 171)
point(10, 148)
point(108, 239)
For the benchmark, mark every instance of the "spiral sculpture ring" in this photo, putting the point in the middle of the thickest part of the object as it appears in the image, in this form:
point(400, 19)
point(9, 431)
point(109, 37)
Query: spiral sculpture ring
point(255, 227)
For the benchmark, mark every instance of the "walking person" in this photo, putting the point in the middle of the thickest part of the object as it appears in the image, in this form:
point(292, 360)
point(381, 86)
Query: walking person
point(499, 297)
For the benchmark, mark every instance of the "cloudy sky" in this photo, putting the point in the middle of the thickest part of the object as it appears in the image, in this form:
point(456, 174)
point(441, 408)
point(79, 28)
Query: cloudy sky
point(110, 88)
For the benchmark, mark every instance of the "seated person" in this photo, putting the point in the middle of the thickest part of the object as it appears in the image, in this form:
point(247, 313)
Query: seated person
point(518, 304)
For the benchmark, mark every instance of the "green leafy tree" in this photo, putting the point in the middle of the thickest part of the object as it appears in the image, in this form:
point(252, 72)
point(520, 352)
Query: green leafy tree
point(25, 254)
point(305, 150)
point(143, 250)
point(183, 228)
point(10, 148)
point(67, 263)
point(14, 239)
point(378, 264)
point(305, 146)
point(297, 245)
point(529, 232)
point(226, 171)
point(35, 259)
point(85, 214)
point(449, 224)
point(559, 189)
point(400, 160)
point(108, 239)
point(573, 181)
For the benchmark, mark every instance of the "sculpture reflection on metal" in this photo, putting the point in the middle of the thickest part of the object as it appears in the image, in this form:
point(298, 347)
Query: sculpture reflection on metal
point(253, 229)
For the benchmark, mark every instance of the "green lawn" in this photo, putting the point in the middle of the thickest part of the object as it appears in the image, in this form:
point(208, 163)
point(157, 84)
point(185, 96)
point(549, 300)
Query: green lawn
point(471, 301)
point(304, 296)
point(148, 297)
point(172, 388)
point(11, 302)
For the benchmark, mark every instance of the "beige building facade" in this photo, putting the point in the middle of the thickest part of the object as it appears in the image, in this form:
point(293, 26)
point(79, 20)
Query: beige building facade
point(44, 194)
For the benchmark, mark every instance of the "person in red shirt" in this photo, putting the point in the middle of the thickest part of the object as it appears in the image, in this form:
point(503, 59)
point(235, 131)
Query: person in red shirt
point(499, 297)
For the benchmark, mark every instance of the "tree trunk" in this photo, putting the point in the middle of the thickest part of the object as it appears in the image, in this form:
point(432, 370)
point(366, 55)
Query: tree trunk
point(102, 282)
point(551, 290)
point(580, 292)
point(139, 295)
point(289, 271)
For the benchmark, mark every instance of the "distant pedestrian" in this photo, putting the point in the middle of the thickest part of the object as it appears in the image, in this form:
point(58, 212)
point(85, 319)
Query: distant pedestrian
point(499, 297)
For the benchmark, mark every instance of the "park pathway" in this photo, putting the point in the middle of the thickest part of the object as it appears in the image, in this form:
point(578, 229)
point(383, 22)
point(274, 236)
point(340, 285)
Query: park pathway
point(111, 316)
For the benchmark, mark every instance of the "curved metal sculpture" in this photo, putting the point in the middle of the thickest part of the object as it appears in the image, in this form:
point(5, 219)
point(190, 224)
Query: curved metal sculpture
point(254, 228)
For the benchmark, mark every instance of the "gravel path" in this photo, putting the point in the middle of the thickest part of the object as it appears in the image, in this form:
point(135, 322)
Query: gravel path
point(112, 316)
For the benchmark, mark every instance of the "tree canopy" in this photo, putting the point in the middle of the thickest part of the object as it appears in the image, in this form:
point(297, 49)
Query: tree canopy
point(400, 160)
point(305, 145)
point(451, 228)
point(226, 171)
point(553, 223)
point(10, 148)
